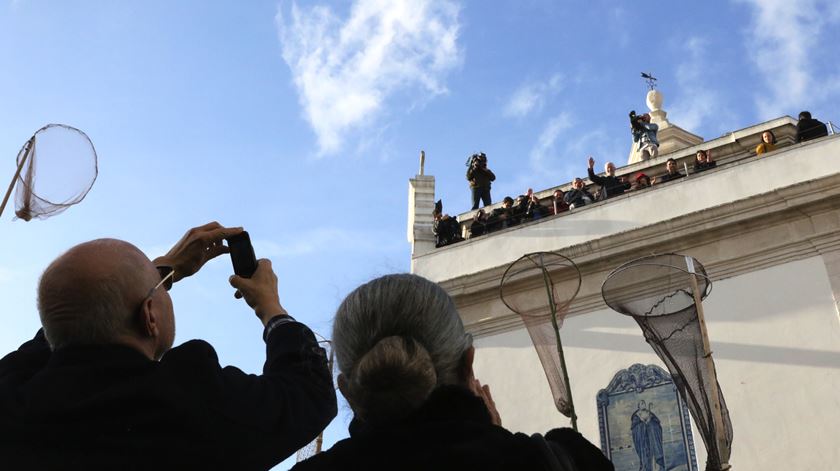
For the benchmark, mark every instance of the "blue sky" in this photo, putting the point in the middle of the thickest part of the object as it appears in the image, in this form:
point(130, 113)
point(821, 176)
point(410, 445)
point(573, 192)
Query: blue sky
point(303, 122)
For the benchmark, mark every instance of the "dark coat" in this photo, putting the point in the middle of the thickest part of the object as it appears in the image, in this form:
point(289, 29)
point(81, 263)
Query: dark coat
point(452, 430)
point(480, 177)
point(807, 129)
point(613, 185)
point(669, 177)
point(576, 197)
point(110, 407)
point(703, 166)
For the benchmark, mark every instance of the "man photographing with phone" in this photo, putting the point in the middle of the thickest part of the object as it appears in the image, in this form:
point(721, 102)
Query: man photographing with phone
point(99, 387)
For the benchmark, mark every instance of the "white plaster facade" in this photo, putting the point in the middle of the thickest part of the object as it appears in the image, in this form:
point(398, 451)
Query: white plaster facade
point(767, 230)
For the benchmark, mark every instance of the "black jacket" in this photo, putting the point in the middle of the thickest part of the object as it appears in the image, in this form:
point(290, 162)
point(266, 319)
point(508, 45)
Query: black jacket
point(110, 407)
point(577, 197)
point(807, 129)
point(613, 185)
point(452, 430)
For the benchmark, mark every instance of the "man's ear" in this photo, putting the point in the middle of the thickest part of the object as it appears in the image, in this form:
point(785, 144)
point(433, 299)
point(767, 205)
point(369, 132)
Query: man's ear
point(466, 372)
point(148, 319)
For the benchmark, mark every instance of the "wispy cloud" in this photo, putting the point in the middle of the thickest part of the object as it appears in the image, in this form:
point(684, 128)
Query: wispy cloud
point(346, 69)
point(532, 96)
point(784, 38)
point(697, 101)
point(544, 153)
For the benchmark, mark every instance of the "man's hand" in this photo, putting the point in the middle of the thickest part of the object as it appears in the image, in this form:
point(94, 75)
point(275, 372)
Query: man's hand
point(591, 162)
point(483, 393)
point(197, 247)
point(260, 291)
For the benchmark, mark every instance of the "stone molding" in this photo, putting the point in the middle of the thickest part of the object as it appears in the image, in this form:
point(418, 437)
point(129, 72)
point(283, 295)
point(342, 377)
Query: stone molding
point(784, 225)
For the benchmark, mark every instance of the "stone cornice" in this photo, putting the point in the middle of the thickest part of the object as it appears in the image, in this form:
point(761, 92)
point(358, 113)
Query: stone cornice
point(787, 224)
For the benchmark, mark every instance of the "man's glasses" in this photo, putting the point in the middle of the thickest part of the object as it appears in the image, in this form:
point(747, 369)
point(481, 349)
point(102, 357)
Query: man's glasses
point(167, 277)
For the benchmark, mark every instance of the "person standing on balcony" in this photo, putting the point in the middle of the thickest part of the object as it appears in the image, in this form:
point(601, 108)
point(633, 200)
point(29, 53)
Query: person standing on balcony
point(644, 133)
point(809, 128)
point(480, 178)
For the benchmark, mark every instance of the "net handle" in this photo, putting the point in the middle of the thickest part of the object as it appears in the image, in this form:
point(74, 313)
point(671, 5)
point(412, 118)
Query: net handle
point(26, 153)
point(710, 362)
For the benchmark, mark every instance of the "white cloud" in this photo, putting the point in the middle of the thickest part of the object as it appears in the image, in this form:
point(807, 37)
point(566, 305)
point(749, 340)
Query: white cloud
point(345, 70)
point(532, 96)
point(697, 101)
point(546, 145)
point(784, 37)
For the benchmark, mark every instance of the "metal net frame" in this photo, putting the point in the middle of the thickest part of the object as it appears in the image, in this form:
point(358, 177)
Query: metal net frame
point(663, 294)
point(66, 158)
point(559, 279)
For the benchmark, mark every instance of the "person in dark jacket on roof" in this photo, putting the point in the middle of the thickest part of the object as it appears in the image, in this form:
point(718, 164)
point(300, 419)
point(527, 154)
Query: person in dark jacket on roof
point(100, 388)
point(610, 184)
point(809, 128)
point(578, 196)
point(406, 369)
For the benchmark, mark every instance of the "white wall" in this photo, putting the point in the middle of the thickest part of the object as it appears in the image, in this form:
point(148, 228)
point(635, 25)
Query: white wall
point(775, 334)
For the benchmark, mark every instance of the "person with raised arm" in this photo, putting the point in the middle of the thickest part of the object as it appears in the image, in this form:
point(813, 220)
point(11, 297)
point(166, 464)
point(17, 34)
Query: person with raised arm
point(100, 386)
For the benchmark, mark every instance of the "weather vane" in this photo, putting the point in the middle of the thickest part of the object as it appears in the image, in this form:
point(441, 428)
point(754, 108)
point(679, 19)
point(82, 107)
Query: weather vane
point(650, 79)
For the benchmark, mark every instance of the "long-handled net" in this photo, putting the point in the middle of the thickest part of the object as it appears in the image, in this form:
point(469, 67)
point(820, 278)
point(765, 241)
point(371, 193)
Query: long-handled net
point(663, 294)
point(539, 287)
point(315, 446)
point(56, 168)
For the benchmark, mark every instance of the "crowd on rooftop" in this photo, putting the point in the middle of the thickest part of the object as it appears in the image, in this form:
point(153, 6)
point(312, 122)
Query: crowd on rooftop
point(529, 207)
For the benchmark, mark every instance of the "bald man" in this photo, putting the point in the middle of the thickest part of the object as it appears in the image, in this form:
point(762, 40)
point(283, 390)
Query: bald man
point(99, 387)
point(610, 184)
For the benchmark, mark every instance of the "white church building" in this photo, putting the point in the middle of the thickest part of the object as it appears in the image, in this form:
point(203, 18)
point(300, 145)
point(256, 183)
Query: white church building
point(766, 228)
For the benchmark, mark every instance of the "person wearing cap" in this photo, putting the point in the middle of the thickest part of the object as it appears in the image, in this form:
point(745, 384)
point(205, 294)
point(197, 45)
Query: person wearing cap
point(641, 181)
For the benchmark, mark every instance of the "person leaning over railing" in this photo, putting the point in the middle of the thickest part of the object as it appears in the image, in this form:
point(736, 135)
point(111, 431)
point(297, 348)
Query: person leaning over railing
point(809, 128)
point(559, 204)
point(703, 161)
point(610, 184)
point(99, 387)
point(578, 196)
point(406, 369)
point(671, 173)
point(768, 143)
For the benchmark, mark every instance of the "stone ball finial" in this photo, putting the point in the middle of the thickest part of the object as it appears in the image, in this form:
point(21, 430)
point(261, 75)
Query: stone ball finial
point(654, 100)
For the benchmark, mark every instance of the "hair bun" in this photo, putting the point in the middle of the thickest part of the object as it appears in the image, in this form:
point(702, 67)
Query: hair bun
point(392, 379)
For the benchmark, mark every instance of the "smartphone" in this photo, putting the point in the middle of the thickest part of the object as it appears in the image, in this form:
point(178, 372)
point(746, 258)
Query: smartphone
point(242, 255)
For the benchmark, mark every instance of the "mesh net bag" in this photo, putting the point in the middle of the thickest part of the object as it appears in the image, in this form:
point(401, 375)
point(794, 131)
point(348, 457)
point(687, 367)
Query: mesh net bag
point(539, 287)
point(58, 166)
point(658, 293)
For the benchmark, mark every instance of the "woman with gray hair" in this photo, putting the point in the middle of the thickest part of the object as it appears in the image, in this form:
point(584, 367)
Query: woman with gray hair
point(406, 370)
